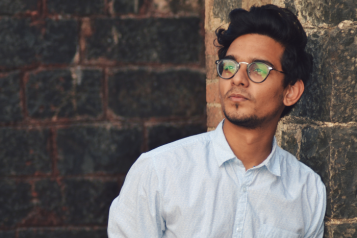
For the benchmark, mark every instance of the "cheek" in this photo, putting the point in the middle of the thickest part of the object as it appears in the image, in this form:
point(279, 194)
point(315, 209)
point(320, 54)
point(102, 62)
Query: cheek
point(223, 88)
point(269, 97)
point(273, 91)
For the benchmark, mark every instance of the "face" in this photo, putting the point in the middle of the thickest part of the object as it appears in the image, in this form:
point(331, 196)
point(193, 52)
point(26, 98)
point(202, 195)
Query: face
point(244, 102)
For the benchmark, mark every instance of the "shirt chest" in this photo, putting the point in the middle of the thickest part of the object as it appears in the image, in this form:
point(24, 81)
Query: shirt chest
point(227, 204)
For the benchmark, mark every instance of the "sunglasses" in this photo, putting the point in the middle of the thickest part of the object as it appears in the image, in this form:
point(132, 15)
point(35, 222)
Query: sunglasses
point(257, 71)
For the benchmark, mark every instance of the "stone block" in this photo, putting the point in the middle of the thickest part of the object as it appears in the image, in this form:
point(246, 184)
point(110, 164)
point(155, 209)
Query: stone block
point(88, 92)
point(127, 6)
point(222, 8)
point(88, 200)
point(10, 105)
point(342, 64)
point(143, 93)
point(191, 7)
point(212, 94)
point(210, 43)
point(247, 4)
point(315, 150)
point(87, 150)
point(62, 93)
point(59, 42)
point(170, 40)
point(342, 230)
point(24, 44)
point(211, 68)
point(50, 203)
point(290, 141)
point(214, 116)
point(15, 200)
point(24, 152)
point(18, 6)
point(76, 7)
point(317, 12)
point(7, 234)
point(343, 172)
point(63, 233)
point(163, 134)
point(315, 153)
point(19, 41)
point(330, 93)
point(315, 102)
point(290, 4)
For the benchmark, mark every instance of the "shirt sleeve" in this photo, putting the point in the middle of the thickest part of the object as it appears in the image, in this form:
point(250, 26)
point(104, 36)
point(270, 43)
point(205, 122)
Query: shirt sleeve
point(316, 229)
point(136, 211)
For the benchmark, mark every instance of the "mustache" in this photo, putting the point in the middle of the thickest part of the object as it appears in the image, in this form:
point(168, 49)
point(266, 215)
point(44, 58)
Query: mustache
point(238, 91)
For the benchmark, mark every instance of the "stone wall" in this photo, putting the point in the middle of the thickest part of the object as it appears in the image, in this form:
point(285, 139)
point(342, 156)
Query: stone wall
point(322, 129)
point(85, 87)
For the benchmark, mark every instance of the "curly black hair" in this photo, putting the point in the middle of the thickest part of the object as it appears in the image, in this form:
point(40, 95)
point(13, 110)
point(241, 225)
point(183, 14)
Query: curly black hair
point(281, 25)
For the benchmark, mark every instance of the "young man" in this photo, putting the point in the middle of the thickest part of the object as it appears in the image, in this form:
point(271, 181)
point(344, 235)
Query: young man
point(234, 181)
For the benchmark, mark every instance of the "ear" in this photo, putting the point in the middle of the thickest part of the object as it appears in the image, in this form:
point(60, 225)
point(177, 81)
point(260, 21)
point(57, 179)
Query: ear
point(293, 93)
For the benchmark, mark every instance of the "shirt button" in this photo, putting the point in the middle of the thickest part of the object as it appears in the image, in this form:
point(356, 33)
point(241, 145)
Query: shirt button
point(238, 229)
point(244, 189)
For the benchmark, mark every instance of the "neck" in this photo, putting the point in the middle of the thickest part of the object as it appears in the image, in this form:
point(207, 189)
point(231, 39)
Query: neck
point(251, 146)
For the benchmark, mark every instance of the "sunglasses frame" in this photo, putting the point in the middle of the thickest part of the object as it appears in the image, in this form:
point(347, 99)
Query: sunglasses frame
point(248, 65)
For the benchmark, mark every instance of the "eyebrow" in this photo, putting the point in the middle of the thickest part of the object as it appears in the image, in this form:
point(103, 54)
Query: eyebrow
point(264, 61)
point(230, 57)
point(254, 60)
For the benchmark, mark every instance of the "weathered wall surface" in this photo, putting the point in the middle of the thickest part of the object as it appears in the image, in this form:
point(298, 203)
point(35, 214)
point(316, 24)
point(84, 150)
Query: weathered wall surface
point(85, 87)
point(322, 130)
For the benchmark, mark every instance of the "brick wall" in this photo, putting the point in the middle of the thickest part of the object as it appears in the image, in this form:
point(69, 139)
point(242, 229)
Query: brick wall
point(85, 87)
point(322, 129)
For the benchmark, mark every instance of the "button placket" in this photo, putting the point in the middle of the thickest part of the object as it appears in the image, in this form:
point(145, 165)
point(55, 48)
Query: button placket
point(242, 203)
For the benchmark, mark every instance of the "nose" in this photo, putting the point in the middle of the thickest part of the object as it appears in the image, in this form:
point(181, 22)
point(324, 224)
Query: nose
point(241, 77)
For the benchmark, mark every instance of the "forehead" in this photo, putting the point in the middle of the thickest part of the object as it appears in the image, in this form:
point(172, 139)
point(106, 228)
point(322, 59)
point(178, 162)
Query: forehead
point(254, 46)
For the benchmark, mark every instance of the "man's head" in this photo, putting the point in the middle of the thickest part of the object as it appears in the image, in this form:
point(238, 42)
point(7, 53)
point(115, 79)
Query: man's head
point(275, 37)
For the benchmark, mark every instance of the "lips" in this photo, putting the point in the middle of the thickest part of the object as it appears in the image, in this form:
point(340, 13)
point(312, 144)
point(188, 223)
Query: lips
point(236, 97)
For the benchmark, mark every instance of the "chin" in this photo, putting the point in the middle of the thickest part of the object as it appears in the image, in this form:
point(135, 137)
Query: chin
point(241, 119)
point(242, 116)
point(248, 122)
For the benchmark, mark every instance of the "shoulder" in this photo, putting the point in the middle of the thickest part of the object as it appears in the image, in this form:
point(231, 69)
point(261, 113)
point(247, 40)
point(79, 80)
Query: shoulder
point(196, 141)
point(177, 153)
point(298, 174)
point(305, 186)
point(182, 151)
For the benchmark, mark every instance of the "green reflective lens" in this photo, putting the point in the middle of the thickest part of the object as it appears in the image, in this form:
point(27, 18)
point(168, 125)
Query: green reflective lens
point(228, 68)
point(258, 71)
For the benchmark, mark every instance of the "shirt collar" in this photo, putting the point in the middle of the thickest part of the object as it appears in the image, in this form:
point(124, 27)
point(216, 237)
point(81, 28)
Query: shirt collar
point(223, 151)
point(272, 162)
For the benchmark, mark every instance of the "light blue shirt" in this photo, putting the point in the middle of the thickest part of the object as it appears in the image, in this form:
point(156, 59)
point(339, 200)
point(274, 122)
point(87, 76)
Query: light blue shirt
point(196, 187)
